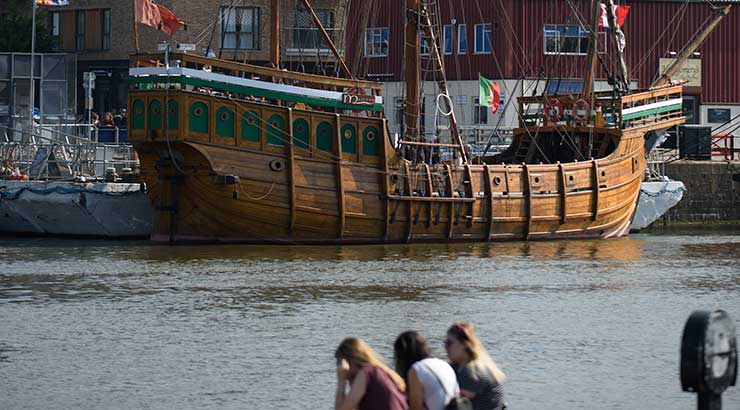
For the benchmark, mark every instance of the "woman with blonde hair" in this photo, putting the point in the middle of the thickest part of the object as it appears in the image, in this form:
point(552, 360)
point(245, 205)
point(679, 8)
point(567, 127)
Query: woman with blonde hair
point(479, 377)
point(373, 386)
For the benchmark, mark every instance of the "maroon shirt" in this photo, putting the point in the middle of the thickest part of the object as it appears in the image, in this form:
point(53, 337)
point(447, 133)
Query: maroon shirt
point(382, 393)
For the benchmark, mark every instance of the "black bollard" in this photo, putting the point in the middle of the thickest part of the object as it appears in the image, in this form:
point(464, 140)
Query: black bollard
point(708, 357)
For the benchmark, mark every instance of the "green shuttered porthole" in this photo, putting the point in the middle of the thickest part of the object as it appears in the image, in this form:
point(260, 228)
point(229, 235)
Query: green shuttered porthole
point(276, 130)
point(349, 139)
point(370, 141)
point(251, 127)
point(325, 137)
point(300, 133)
point(138, 117)
point(155, 115)
point(199, 117)
point(225, 122)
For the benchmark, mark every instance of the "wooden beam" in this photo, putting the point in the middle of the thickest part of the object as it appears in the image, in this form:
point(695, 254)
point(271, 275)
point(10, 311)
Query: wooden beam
point(451, 195)
point(404, 198)
point(693, 45)
point(413, 73)
point(386, 175)
point(291, 160)
point(275, 33)
point(489, 198)
point(409, 195)
point(595, 181)
point(563, 194)
point(591, 60)
point(341, 206)
point(469, 189)
point(328, 39)
point(429, 188)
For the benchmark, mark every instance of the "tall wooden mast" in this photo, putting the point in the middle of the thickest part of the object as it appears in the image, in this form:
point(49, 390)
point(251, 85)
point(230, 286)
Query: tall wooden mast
point(275, 33)
point(413, 73)
point(618, 38)
point(693, 45)
point(593, 45)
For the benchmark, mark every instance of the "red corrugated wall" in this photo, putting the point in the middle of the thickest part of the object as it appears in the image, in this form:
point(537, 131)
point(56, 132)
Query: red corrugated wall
point(652, 31)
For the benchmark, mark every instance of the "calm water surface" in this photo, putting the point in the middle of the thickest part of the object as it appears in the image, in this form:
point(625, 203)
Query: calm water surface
point(575, 325)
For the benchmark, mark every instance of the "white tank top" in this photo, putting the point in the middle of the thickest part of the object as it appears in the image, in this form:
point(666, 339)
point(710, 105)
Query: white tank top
point(439, 387)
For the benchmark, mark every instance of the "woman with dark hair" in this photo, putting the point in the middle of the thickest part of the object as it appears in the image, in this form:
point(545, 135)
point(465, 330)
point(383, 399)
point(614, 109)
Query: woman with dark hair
point(479, 377)
point(431, 382)
point(373, 386)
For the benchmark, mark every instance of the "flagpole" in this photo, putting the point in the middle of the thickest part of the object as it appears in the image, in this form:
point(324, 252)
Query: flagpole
point(33, 78)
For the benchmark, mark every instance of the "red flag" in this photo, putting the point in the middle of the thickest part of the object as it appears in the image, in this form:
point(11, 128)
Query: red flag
point(620, 13)
point(147, 13)
point(494, 96)
point(170, 23)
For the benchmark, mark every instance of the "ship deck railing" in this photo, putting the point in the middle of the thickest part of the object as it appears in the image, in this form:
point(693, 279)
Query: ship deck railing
point(42, 158)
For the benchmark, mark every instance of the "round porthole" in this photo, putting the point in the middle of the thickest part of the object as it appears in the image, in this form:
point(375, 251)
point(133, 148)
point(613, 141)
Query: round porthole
point(250, 120)
point(275, 124)
point(536, 180)
point(277, 165)
point(347, 134)
point(139, 110)
point(155, 110)
point(198, 111)
point(394, 179)
point(603, 173)
point(497, 180)
point(299, 128)
point(224, 115)
point(173, 110)
point(370, 136)
point(571, 178)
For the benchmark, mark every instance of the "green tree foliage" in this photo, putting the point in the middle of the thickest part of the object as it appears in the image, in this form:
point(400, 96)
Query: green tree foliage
point(15, 27)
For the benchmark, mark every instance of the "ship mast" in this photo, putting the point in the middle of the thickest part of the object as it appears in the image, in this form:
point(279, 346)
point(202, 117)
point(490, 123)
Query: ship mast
point(593, 44)
point(413, 73)
point(623, 82)
point(687, 52)
point(275, 33)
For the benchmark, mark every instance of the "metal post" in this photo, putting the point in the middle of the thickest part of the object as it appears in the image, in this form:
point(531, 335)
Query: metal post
point(33, 79)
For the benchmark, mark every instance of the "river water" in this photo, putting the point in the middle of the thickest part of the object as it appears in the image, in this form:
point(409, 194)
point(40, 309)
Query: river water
point(575, 325)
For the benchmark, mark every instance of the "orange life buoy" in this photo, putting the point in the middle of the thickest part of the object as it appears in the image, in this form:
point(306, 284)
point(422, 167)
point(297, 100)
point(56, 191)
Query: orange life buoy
point(581, 111)
point(554, 110)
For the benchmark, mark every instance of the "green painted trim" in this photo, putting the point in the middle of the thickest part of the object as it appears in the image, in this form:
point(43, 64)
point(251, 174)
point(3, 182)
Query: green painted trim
point(349, 139)
point(251, 132)
point(155, 119)
point(654, 111)
point(138, 115)
point(198, 123)
point(275, 95)
point(225, 127)
point(276, 135)
point(325, 137)
point(300, 133)
point(370, 147)
point(173, 114)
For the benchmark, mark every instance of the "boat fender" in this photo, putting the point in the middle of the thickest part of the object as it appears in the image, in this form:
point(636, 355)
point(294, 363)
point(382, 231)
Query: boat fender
point(554, 110)
point(277, 165)
point(581, 111)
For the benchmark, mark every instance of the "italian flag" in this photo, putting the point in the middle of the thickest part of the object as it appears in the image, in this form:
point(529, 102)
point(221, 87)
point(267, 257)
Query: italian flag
point(489, 93)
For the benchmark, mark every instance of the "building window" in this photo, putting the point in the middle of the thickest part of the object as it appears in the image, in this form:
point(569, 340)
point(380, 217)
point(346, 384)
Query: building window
point(306, 35)
point(55, 30)
point(399, 109)
point(462, 39)
point(376, 42)
point(423, 46)
point(80, 31)
point(564, 39)
point(240, 28)
point(106, 29)
point(448, 39)
point(483, 38)
point(480, 112)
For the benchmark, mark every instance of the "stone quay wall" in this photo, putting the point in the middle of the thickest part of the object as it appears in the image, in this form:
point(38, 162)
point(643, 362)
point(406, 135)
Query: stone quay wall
point(712, 191)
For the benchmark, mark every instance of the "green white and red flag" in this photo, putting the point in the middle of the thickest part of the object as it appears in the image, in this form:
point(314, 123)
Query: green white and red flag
point(489, 94)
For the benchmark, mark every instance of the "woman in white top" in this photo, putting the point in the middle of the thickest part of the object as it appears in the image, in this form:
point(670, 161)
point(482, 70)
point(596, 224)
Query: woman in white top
point(431, 383)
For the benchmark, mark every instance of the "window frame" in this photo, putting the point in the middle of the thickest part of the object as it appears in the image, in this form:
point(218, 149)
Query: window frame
point(490, 42)
point(238, 26)
point(328, 22)
point(370, 33)
point(448, 37)
point(583, 33)
point(424, 49)
point(80, 30)
point(477, 112)
point(105, 15)
point(462, 28)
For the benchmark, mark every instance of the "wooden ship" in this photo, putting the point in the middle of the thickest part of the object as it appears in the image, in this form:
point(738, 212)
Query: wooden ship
point(234, 152)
